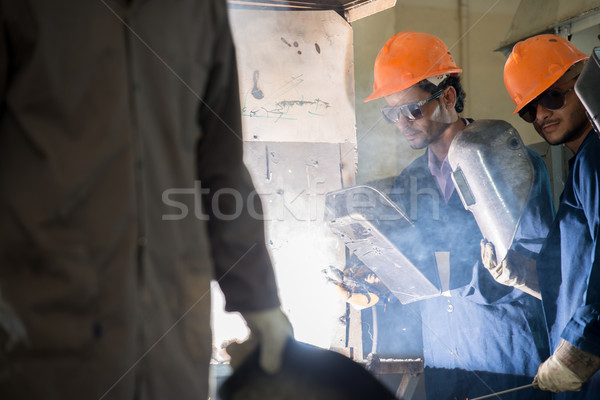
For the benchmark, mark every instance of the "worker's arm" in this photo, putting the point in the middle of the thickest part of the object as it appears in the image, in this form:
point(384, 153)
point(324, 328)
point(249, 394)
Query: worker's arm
point(242, 264)
point(583, 328)
point(515, 270)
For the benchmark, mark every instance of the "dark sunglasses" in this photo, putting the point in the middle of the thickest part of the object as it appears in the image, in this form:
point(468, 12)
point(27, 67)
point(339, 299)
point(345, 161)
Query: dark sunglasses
point(552, 99)
point(410, 111)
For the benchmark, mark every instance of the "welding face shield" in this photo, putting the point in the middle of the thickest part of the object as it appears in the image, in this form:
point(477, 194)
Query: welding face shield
point(586, 88)
point(382, 236)
point(494, 177)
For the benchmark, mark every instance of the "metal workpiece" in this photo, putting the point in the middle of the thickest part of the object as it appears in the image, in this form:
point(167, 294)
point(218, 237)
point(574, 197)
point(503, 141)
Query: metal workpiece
point(494, 177)
point(386, 366)
point(379, 233)
point(307, 373)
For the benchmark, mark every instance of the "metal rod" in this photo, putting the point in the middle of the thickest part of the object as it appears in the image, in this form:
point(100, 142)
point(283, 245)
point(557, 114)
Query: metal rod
point(487, 396)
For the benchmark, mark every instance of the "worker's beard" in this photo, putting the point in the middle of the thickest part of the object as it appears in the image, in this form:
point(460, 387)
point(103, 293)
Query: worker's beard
point(424, 134)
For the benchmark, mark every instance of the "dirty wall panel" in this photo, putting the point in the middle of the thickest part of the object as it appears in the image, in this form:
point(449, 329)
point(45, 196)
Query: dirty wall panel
point(296, 76)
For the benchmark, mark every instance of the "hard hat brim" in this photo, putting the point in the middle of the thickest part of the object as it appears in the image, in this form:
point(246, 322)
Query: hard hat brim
point(387, 90)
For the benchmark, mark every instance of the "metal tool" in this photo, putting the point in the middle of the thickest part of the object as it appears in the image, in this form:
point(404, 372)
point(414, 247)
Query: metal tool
point(487, 396)
point(374, 228)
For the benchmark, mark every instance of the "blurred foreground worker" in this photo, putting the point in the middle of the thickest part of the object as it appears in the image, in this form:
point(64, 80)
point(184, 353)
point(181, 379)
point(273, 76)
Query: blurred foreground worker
point(111, 113)
point(540, 74)
point(480, 336)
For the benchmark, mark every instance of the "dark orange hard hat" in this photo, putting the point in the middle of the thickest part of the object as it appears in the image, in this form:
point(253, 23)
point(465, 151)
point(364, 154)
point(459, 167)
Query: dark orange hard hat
point(406, 59)
point(537, 63)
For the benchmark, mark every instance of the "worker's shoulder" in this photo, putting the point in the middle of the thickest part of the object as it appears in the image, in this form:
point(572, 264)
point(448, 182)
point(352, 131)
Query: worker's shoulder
point(586, 162)
point(590, 146)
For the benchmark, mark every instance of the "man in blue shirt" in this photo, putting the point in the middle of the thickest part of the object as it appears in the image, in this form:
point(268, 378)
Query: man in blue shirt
point(481, 336)
point(540, 75)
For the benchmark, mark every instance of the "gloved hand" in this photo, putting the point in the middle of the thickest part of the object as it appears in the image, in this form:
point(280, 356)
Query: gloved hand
point(357, 284)
point(359, 301)
point(270, 329)
point(567, 369)
point(515, 270)
point(12, 330)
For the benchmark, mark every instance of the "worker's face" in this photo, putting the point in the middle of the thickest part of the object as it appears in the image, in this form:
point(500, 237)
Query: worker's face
point(566, 124)
point(436, 118)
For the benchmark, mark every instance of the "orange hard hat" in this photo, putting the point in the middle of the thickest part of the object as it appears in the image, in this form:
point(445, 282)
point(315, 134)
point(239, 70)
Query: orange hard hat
point(537, 63)
point(406, 59)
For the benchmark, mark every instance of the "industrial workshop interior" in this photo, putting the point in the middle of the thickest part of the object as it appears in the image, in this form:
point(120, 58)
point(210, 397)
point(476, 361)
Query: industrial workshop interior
point(426, 173)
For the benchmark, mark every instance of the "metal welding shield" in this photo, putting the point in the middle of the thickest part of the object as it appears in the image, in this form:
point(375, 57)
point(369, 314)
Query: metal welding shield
point(587, 86)
point(494, 177)
point(380, 234)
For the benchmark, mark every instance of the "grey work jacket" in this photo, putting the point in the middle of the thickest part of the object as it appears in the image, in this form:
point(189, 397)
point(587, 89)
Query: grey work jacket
point(111, 113)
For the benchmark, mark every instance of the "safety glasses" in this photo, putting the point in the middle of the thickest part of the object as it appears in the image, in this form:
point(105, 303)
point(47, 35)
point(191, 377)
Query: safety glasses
point(410, 111)
point(552, 99)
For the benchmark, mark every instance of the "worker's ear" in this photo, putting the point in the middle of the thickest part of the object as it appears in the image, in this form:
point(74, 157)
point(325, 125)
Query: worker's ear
point(448, 97)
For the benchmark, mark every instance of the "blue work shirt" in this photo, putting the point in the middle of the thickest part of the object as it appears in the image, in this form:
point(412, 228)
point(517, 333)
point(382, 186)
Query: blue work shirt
point(569, 264)
point(484, 336)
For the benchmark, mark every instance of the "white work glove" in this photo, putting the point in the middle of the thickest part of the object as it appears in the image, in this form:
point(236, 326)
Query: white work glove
point(12, 330)
point(515, 270)
point(567, 369)
point(270, 329)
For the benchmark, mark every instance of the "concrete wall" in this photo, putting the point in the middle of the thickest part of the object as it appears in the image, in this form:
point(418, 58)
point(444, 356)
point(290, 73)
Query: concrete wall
point(472, 29)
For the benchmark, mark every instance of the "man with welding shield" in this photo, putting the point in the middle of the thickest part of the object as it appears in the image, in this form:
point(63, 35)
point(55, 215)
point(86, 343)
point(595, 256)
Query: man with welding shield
point(540, 76)
point(480, 336)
